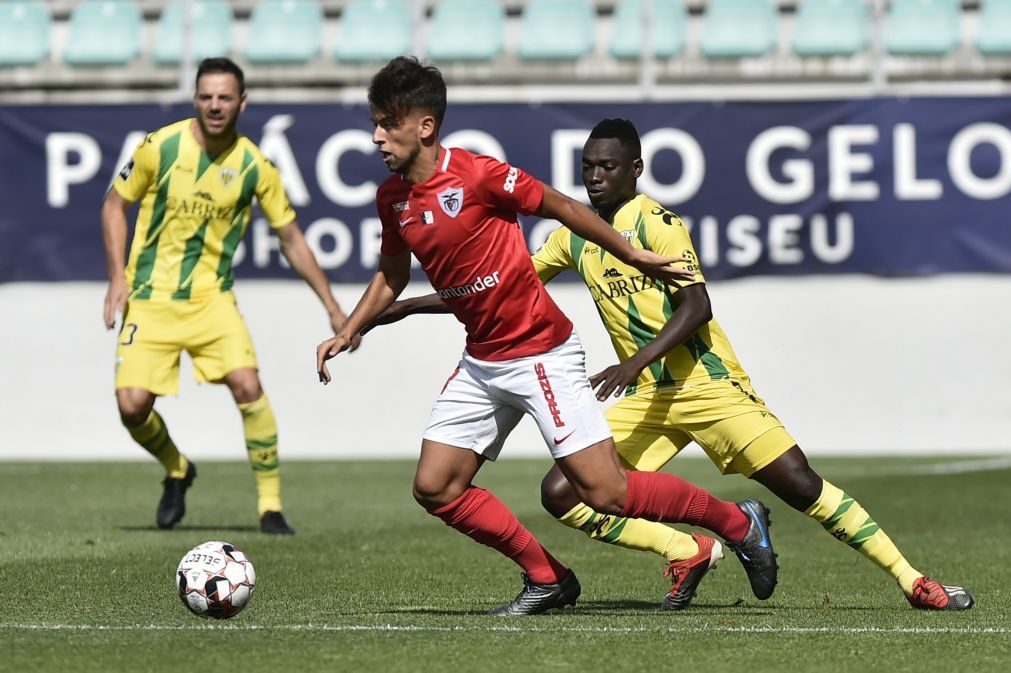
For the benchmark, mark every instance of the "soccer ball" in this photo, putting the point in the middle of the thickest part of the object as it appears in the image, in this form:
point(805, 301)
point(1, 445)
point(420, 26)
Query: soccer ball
point(215, 580)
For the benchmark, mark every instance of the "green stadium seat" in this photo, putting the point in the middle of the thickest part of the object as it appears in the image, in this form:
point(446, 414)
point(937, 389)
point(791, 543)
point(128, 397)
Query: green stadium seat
point(830, 28)
point(667, 28)
point(285, 31)
point(103, 32)
point(922, 27)
point(740, 28)
point(557, 30)
point(211, 36)
point(466, 30)
point(994, 37)
point(24, 32)
point(374, 30)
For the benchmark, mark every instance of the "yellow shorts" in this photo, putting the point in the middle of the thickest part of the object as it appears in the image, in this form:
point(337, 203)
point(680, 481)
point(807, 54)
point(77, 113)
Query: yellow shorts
point(155, 334)
point(726, 418)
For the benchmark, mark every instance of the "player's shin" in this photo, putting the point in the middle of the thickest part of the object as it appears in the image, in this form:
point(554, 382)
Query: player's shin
point(636, 534)
point(153, 435)
point(260, 429)
point(659, 496)
point(846, 520)
point(481, 516)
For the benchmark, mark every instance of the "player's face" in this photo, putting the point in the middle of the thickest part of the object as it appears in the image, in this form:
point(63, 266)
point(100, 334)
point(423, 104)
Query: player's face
point(218, 102)
point(399, 140)
point(609, 172)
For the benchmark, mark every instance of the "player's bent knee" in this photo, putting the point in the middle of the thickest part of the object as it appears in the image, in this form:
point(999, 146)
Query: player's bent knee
point(604, 500)
point(433, 494)
point(134, 408)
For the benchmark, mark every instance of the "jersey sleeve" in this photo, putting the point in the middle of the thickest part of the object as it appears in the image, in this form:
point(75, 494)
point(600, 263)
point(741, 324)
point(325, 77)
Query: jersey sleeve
point(271, 197)
point(554, 256)
point(667, 235)
point(391, 242)
point(500, 185)
point(136, 176)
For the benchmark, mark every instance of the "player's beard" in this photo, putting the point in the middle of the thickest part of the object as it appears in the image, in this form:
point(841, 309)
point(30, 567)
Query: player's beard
point(226, 131)
point(403, 166)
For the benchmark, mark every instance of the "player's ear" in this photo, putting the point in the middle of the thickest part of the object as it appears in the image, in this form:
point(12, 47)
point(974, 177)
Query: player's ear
point(427, 127)
point(637, 167)
point(242, 102)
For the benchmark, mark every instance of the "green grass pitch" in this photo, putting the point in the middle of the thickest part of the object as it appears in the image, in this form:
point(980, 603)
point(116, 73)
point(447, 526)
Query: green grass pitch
point(372, 583)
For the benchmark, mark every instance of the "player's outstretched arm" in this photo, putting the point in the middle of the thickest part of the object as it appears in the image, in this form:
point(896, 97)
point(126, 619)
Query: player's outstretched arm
point(586, 223)
point(694, 310)
point(297, 252)
point(400, 309)
point(389, 281)
point(114, 227)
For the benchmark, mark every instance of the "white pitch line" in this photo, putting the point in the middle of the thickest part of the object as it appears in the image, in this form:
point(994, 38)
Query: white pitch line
point(356, 628)
point(927, 469)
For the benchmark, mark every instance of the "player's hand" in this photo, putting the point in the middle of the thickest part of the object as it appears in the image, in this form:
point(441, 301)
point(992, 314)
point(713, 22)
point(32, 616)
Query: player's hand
point(662, 268)
point(326, 350)
point(396, 312)
point(115, 301)
point(337, 320)
point(615, 379)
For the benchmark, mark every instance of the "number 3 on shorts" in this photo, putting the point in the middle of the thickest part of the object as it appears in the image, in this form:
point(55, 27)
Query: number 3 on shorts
point(126, 340)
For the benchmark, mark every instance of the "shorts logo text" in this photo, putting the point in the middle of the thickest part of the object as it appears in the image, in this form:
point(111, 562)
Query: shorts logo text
point(549, 396)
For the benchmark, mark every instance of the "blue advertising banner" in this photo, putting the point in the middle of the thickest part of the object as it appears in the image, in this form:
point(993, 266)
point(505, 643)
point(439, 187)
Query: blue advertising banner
point(874, 186)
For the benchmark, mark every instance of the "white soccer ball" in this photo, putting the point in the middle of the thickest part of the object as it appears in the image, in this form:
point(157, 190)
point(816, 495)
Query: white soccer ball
point(215, 580)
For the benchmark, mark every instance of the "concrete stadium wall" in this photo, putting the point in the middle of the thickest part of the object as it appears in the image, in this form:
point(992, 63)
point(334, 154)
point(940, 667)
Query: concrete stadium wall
point(850, 364)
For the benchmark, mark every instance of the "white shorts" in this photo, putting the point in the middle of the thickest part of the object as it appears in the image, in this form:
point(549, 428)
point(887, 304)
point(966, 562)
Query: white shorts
point(483, 401)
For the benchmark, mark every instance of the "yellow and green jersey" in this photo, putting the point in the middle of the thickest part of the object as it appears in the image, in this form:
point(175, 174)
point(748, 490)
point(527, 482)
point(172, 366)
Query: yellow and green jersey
point(193, 211)
point(635, 308)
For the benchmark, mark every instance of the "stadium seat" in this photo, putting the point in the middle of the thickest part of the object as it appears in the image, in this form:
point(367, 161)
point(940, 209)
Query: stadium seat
point(24, 32)
point(103, 32)
point(830, 28)
point(994, 37)
point(212, 31)
point(285, 31)
point(557, 29)
point(739, 28)
point(668, 28)
point(922, 27)
point(374, 30)
point(466, 30)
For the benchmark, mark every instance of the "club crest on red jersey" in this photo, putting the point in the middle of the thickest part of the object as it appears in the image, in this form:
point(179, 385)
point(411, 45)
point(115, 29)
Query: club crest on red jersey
point(451, 200)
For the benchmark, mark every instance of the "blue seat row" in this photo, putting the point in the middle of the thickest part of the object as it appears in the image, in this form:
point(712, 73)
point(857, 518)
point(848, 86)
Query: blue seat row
point(106, 32)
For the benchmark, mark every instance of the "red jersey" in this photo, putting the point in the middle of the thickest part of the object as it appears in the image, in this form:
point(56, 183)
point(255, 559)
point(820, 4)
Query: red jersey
point(461, 225)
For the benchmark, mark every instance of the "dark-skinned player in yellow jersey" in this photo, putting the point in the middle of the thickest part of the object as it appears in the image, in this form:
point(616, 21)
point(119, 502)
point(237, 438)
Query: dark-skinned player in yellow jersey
point(682, 383)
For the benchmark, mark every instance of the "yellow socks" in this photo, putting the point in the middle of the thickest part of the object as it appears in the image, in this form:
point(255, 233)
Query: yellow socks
point(846, 520)
point(638, 534)
point(261, 443)
point(153, 436)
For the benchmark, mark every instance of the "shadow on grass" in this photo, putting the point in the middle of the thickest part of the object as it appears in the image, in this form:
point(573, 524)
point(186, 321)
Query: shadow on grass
point(184, 529)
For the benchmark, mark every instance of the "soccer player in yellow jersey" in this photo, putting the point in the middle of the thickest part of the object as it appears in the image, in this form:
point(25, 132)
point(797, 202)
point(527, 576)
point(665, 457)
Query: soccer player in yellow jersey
point(195, 181)
point(682, 383)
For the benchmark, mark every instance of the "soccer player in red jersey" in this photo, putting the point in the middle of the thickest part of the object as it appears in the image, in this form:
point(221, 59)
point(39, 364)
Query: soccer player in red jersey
point(456, 212)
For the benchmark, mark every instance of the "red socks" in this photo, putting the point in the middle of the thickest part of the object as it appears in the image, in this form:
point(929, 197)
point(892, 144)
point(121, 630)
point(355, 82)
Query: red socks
point(484, 518)
point(659, 496)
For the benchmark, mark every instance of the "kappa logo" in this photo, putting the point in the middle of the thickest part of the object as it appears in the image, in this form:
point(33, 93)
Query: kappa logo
point(227, 175)
point(451, 200)
point(125, 173)
point(611, 273)
point(203, 195)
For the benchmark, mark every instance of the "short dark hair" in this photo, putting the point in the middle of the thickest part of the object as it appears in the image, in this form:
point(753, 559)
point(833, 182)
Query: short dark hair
point(621, 129)
point(221, 64)
point(406, 83)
